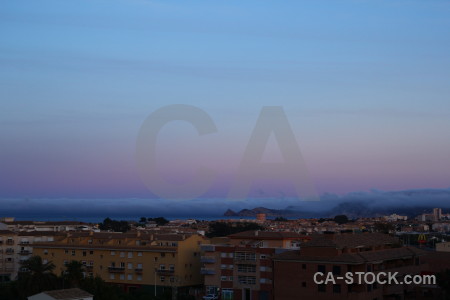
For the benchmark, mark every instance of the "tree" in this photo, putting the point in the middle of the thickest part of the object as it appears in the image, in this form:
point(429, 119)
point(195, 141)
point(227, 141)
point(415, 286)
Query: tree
point(280, 219)
point(341, 219)
point(114, 225)
point(38, 276)
point(74, 274)
point(384, 227)
point(160, 221)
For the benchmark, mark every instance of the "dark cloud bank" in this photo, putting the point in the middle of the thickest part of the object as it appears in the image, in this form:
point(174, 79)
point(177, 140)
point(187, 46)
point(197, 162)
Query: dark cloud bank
point(373, 203)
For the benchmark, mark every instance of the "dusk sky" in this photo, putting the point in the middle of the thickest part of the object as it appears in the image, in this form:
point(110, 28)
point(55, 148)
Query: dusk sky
point(365, 86)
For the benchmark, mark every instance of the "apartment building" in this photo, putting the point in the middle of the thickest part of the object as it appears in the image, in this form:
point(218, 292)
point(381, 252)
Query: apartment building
point(16, 247)
point(340, 253)
point(131, 260)
point(8, 242)
point(61, 226)
point(241, 267)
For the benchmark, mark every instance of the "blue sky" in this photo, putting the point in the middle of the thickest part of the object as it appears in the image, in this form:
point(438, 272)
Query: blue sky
point(365, 85)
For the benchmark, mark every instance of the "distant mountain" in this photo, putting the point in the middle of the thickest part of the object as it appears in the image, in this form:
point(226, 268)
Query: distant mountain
point(263, 210)
point(352, 210)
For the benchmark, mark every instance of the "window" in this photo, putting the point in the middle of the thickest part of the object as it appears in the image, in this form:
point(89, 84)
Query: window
point(130, 277)
point(322, 288)
point(91, 252)
point(247, 268)
point(223, 278)
point(223, 254)
point(139, 253)
point(249, 256)
point(130, 254)
point(130, 266)
point(122, 254)
point(84, 253)
point(221, 266)
point(122, 265)
point(336, 270)
point(73, 252)
point(247, 279)
point(163, 254)
point(122, 277)
point(304, 284)
point(113, 252)
point(321, 268)
point(139, 277)
point(139, 266)
point(45, 251)
point(162, 278)
point(337, 288)
point(112, 276)
point(262, 256)
point(304, 266)
point(171, 267)
point(83, 263)
point(65, 262)
point(172, 279)
point(162, 267)
point(66, 251)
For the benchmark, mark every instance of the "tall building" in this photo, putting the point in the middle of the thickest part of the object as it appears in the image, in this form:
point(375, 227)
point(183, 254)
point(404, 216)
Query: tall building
point(241, 267)
point(437, 214)
point(131, 260)
point(340, 253)
point(16, 247)
point(8, 242)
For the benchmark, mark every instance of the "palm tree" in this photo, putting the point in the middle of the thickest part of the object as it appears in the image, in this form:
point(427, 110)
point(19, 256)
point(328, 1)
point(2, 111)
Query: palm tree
point(37, 276)
point(74, 273)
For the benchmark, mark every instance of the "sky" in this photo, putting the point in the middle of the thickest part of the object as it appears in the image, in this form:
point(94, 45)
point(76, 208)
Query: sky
point(364, 85)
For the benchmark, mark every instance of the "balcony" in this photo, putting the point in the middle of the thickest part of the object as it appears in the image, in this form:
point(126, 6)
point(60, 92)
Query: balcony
point(207, 248)
point(205, 271)
point(9, 242)
point(138, 270)
point(116, 270)
point(24, 252)
point(208, 259)
point(164, 272)
point(89, 267)
point(9, 251)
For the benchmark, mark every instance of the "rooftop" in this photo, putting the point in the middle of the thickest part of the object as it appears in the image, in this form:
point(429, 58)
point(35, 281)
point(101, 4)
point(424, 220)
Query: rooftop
point(68, 294)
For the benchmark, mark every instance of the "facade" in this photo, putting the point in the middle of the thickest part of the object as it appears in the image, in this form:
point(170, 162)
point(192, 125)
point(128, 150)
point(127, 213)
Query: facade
point(16, 247)
point(131, 260)
point(8, 243)
point(61, 226)
point(242, 267)
point(340, 253)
